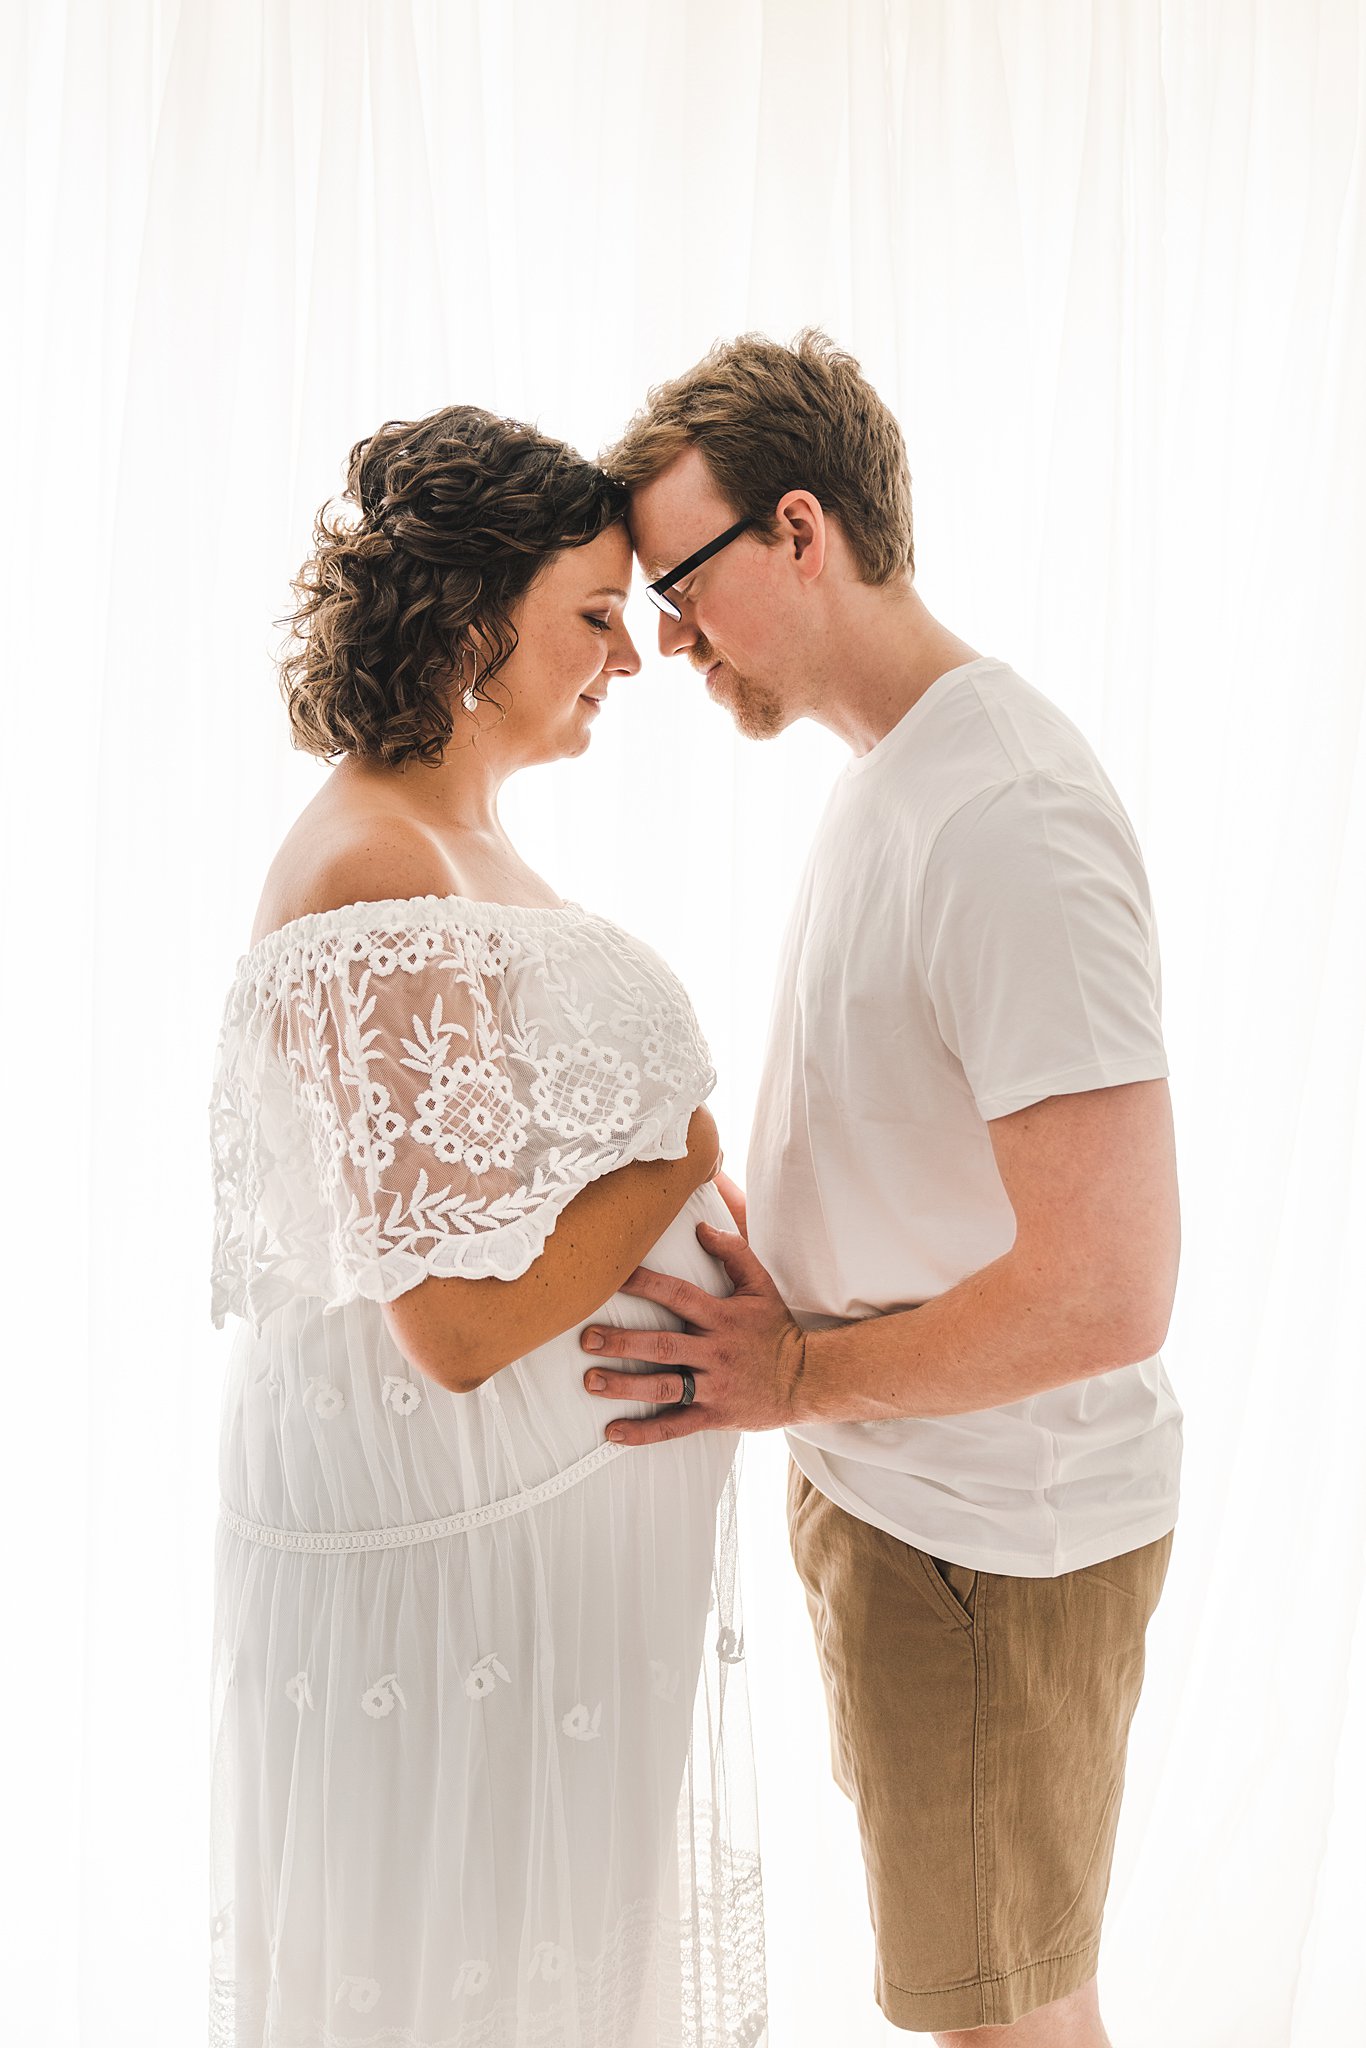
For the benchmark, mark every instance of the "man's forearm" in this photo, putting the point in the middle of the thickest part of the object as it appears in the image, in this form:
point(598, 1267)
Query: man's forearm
point(998, 1336)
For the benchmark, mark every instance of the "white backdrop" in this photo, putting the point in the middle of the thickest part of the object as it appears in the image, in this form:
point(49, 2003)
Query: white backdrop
point(1107, 260)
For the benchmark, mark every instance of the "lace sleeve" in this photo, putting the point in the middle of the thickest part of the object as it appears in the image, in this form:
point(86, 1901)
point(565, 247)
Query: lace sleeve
point(456, 1091)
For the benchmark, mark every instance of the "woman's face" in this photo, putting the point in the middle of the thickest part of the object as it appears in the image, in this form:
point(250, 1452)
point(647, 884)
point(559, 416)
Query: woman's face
point(572, 642)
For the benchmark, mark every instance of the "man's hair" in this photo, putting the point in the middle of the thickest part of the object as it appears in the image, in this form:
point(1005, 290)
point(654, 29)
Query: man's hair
point(770, 419)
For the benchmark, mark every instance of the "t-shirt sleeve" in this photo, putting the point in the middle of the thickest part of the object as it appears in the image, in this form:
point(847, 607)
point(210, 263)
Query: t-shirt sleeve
point(1039, 945)
point(443, 1129)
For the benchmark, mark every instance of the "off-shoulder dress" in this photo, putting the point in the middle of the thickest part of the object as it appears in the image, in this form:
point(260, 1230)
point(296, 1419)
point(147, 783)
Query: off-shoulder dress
point(481, 1773)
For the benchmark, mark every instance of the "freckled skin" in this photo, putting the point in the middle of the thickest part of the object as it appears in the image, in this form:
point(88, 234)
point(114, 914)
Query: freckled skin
point(374, 831)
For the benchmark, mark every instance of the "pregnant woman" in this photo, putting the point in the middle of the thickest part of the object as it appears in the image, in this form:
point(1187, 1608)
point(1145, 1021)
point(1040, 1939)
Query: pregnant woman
point(480, 1748)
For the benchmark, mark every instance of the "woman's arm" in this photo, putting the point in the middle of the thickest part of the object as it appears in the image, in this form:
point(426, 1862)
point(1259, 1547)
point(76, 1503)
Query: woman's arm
point(460, 1332)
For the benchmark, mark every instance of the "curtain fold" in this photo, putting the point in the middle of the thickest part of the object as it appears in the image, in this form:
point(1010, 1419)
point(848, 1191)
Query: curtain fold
point(1107, 260)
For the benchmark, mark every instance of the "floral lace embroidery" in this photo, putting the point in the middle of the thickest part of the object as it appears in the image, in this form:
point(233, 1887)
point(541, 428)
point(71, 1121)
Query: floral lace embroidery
point(663, 1682)
point(483, 1676)
point(720, 1956)
point(360, 1993)
point(403, 1396)
point(380, 1698)
point(583, 1725)
point(470, 1979)
point(413, 1087)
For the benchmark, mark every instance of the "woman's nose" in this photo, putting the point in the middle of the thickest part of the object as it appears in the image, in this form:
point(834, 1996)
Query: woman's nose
point(626, 660)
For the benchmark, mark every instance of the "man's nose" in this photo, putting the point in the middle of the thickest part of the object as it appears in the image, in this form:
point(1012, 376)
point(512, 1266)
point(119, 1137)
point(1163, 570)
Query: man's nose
point(676, 634)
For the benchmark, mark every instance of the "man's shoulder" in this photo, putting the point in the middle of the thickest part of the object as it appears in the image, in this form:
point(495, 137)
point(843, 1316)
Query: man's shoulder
point(1006, 748)
point(1025, 731)
point(998, 767)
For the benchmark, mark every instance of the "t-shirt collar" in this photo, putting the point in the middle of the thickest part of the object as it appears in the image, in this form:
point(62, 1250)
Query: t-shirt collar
point(912, 717)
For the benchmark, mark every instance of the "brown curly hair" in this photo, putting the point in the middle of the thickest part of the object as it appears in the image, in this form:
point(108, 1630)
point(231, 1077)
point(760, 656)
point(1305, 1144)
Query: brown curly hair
point(452, 518)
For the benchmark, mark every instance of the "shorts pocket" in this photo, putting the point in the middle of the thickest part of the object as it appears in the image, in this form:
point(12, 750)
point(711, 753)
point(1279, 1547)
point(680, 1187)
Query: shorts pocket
point(951, 1595)
point(802, 1502)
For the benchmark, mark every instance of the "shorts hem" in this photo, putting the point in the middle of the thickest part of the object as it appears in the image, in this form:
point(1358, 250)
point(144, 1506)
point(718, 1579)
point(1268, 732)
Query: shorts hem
point(987, 2001)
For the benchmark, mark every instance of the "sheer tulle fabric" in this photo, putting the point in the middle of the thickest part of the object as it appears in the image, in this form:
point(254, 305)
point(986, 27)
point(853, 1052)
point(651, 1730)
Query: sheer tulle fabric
point(481, 1760)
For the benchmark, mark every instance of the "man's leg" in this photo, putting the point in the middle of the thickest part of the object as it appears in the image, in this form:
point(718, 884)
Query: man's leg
point(979, 1724)
point(1071, 2022)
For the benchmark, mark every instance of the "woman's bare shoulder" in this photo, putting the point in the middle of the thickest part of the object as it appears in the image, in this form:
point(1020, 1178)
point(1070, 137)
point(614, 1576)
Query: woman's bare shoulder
point(355, 857)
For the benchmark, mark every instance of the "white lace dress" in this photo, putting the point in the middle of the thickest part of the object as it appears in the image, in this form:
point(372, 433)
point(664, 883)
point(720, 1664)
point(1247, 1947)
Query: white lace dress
point(481, 1765)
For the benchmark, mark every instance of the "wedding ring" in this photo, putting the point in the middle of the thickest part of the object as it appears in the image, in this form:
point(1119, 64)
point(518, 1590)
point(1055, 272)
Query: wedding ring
point(689, 1387)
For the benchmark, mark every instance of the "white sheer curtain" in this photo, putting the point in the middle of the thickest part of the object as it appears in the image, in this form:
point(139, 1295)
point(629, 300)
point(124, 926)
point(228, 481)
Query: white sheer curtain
point(1107, 258)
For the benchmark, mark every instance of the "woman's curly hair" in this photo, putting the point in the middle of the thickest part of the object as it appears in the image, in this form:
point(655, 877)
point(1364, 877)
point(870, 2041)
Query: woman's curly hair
point(452, 518)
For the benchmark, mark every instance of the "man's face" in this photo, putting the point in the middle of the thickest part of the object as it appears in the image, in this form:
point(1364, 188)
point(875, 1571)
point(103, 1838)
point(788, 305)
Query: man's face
point(734, 629)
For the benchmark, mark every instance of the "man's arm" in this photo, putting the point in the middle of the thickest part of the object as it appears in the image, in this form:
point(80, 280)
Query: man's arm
point(1087, 1286)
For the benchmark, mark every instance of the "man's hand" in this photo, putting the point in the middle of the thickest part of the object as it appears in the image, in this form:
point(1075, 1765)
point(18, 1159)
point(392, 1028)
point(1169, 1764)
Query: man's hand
point(1085, 1288)
point(744, 1350)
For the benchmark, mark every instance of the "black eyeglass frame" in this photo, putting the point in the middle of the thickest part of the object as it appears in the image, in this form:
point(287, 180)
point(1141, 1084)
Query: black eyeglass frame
point(661, 584)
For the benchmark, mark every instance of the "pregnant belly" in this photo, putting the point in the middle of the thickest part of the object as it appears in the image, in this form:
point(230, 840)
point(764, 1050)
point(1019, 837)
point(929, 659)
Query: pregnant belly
point(327, 1427)
point(544, 1392)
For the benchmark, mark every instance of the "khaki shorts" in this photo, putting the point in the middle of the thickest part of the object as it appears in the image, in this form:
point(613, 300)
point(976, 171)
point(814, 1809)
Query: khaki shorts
point(979, 1723)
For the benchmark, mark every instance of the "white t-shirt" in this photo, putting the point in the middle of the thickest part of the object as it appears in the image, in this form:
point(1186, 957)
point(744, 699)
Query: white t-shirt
point(972, 932)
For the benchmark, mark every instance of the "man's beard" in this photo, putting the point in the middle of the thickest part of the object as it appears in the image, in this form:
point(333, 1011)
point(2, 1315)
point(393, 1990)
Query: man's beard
point(756, 712)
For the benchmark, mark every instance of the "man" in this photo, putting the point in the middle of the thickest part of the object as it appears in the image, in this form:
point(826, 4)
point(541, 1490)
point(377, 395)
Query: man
point(963, 1223)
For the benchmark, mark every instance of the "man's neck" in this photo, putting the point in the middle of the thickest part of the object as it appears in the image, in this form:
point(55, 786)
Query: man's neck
point(891, 650)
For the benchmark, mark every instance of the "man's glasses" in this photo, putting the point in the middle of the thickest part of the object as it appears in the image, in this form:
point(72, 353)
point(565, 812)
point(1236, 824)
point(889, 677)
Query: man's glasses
point(658, 590)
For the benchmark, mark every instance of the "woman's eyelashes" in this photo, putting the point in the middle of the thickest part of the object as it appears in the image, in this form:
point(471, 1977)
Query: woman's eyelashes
point(603, 625)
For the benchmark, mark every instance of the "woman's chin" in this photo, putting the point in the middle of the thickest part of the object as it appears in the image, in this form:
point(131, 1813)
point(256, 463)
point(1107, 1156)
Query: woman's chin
point(569, 746)
point(588, 716)
point(574, 737)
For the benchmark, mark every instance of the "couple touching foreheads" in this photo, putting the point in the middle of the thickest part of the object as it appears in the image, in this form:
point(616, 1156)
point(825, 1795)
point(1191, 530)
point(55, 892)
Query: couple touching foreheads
point(480, 1754)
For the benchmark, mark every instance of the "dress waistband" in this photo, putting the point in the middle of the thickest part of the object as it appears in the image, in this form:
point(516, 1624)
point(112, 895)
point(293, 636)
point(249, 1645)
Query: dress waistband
point(403, 1533)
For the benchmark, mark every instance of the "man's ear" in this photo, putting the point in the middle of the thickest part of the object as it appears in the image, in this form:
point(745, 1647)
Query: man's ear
point(801, 524)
